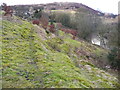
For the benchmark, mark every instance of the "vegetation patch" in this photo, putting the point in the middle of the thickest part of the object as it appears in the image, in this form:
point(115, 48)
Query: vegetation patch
point(31, 62)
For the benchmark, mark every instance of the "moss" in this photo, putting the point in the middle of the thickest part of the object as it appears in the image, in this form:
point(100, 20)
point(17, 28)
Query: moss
point(87, 63)
point(54, 43)
point(61, 33)
point(65, 48)
point(72, 42)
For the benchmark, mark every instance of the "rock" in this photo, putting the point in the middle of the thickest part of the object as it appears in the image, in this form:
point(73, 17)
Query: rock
point(88, 67)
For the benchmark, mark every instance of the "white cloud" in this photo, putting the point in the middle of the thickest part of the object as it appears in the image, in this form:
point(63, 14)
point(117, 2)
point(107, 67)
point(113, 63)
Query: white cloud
point(110, 6)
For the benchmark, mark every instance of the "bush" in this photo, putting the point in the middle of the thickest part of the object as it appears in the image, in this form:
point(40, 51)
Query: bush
point(8, 10)
point(113, 58)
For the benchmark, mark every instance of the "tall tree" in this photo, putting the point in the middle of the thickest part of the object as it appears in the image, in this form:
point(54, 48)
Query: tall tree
point(87, 24)
point(63, 18)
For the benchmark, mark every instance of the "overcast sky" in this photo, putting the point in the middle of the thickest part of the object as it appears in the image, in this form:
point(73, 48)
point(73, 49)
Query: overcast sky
point(110, 6)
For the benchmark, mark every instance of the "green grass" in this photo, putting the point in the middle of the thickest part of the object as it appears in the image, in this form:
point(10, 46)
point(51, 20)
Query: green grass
point(30, 62)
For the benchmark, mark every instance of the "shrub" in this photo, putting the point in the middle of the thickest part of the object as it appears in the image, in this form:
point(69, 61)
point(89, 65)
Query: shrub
point(8, 10)
point(113, 58)
point(71, 31)
point(52, 28)
point(36, 22)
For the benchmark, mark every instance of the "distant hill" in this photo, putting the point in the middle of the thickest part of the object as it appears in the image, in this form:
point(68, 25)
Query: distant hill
point(59, 6)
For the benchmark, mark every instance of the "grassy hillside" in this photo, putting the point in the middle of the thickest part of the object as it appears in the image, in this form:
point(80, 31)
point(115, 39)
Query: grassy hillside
point(32, 59)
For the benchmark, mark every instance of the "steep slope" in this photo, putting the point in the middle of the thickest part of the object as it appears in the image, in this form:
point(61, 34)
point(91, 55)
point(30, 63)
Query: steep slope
point(32, 59)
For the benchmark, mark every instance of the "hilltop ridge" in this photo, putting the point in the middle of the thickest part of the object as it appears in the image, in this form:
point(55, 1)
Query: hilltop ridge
point(61, 6)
